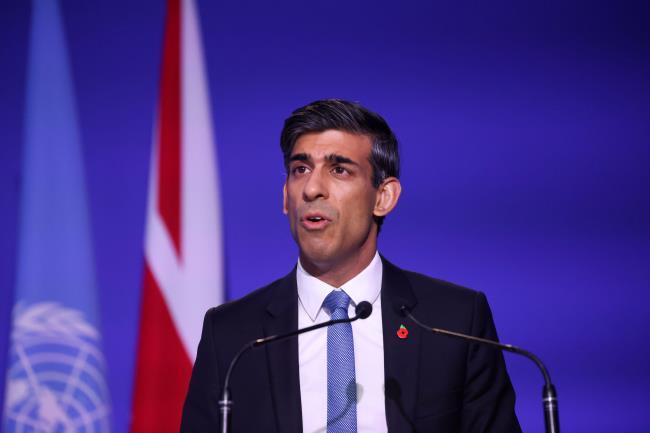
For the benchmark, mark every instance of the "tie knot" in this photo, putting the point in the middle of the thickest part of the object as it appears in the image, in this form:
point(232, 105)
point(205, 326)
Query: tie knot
point(335, 300)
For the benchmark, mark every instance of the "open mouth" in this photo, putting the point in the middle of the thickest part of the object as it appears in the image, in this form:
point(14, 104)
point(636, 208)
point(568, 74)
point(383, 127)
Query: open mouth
point(314, 222)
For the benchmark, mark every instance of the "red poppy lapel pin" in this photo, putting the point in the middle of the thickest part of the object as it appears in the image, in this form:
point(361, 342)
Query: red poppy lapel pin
point(402, 332)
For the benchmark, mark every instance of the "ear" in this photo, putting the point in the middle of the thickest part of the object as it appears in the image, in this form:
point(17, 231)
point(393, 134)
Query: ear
point(285, 210)
point(387, 195)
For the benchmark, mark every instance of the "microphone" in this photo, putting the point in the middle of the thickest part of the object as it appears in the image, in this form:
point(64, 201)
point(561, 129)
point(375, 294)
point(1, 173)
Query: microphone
point(549, 396)
point(362, 311)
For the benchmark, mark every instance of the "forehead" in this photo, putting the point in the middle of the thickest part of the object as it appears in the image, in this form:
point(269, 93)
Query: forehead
point(319, 145)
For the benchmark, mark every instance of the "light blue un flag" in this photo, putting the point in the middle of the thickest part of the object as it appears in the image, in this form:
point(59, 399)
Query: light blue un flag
point(55, 377)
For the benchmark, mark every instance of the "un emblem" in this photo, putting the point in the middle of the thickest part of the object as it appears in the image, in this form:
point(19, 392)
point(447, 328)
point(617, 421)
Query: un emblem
point(56, 381)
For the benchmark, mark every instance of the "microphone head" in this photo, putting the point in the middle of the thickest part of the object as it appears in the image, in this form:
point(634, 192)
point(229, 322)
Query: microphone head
point(363, 310)
point(404, 310)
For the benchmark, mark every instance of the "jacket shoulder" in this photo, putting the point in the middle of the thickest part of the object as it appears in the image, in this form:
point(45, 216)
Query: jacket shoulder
point(253, 304)
point(426, 286)
point(442, 303)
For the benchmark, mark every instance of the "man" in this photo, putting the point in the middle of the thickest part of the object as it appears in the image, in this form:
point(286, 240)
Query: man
point(379, 374)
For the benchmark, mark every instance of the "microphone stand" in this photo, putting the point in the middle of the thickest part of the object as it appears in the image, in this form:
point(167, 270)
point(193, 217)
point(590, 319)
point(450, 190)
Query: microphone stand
point(549, 396)
point(362, 311)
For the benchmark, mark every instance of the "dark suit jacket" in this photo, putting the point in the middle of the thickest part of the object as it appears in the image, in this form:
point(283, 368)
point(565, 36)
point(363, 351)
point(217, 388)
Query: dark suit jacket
point(432, 383)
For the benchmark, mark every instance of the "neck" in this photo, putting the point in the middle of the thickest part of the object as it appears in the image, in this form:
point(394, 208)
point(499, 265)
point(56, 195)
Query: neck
point(336, 273)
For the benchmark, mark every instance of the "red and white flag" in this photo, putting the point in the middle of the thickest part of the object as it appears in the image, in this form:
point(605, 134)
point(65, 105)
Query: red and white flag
point(183, 274)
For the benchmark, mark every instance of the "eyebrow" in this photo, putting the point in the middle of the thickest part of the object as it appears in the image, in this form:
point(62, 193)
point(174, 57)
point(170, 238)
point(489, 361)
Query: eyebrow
point(300, 157)
point(332, 158)
point(339, 159)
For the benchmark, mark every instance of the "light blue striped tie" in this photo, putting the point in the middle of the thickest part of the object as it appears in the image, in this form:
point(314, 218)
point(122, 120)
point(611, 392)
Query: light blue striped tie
point(341, 379)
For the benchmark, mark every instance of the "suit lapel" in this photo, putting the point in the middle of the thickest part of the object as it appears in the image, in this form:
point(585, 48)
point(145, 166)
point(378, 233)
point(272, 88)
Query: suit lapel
point(282, 317)
point(401, 355)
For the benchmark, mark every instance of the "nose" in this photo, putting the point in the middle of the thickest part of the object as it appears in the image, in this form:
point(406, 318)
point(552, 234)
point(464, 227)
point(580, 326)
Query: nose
point(315, 187)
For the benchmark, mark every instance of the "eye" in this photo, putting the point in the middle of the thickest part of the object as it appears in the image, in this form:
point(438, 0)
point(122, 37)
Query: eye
point(299, 169)
point(338, 170)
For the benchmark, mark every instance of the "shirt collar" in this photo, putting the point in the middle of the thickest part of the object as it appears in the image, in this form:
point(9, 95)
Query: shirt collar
point(365, 286)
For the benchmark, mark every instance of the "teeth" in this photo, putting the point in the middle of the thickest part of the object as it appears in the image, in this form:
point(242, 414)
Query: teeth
point(315, 219)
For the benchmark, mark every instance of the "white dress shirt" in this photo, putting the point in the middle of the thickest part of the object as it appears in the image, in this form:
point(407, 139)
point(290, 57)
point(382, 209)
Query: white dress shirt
point(368, 350)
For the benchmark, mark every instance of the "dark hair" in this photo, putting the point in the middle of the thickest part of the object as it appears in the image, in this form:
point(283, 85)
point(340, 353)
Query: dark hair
point(350, 117)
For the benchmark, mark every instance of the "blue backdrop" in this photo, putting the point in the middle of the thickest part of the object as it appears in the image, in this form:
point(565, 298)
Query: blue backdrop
point(525, 143)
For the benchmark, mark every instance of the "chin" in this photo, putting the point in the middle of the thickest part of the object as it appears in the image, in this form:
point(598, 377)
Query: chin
point(316, 256)
point(316, 253)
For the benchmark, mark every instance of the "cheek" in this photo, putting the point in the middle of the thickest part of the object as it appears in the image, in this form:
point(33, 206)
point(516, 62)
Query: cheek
point(358, 210)
point(290, 202)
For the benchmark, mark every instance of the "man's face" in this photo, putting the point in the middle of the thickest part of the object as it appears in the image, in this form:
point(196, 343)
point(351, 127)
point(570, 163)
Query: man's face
point(330, 199)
